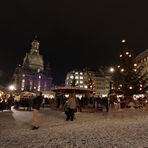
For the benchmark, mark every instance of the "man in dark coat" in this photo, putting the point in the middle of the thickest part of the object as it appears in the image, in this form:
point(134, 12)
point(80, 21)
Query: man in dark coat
point(37, 101)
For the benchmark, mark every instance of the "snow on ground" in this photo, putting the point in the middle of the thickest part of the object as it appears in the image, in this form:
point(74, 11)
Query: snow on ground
point(123, 129)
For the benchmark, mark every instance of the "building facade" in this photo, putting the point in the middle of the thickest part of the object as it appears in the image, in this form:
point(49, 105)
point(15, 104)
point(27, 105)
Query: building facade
point(142, 60)
point(32, 75)
point(98, 81)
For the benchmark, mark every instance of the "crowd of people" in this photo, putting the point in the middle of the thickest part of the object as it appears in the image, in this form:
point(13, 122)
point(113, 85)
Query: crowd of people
point(71, 104)
point(106, 103)
point(6, 102)
point(86, 101)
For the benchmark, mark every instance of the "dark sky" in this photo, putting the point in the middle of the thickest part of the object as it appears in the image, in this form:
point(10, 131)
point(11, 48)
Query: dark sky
point(72, 33)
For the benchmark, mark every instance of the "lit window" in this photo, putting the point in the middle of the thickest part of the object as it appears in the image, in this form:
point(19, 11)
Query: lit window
point(30, 85)
point(23, 85)
point(71, 76)
point(81, 77)
point(39, 77)
point(81, 82)
point(76, 77)
point(39, 86)
point(76, 73)
point(85, 86)
point(39, 70)
point(81, 73)
point(23, 75)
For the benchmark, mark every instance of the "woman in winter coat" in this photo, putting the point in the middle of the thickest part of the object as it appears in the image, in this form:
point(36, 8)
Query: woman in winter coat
point(71, 107)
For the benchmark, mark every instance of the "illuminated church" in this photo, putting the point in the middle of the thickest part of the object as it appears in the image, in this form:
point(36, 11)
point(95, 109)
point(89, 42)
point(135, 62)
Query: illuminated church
point(32, 75)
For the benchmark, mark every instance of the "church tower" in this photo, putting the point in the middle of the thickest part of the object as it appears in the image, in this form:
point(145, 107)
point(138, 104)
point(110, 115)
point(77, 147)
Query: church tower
point(31, 75)
point(33, 60)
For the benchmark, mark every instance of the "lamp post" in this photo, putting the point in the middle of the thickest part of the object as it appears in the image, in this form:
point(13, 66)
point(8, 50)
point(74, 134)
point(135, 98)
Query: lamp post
point(111, 70)
point(12, 88)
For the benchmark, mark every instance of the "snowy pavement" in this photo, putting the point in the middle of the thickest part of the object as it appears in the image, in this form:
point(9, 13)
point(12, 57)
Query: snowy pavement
point(89, 130)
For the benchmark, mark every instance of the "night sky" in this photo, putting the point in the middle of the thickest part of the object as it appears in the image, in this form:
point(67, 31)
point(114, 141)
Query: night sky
point(72, 33)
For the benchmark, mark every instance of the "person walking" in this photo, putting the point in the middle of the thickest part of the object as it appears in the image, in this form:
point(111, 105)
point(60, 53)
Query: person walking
point(71, 105)
point(37, 101)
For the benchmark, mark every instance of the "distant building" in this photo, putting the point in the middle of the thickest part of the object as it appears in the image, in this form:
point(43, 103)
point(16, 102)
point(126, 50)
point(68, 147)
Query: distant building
point(98, 81)
point(142, 60)
point(80, 78)
point(31, 75)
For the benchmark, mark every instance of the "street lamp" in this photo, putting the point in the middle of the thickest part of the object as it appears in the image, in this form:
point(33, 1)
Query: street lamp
point(12, 88)
point(111, 70)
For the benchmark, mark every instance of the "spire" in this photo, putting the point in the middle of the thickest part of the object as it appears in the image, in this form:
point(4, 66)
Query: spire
point(36, 37)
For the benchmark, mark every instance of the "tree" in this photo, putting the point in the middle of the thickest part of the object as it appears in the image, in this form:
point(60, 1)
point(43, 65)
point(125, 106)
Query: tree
point(128, 77)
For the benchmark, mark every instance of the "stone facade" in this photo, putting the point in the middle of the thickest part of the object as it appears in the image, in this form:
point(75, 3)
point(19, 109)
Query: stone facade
point(31, 75)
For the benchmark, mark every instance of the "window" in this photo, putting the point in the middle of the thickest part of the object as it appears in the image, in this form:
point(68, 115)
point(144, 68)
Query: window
point(77, 82)
point(39, 86)
point(71, 76)
point(23, 85)
point(30, 85)
point(39, 70)
point(85, 86)
point(76, 77)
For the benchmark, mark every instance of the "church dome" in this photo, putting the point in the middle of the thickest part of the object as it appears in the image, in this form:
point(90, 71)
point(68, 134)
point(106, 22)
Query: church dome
point(34, 60)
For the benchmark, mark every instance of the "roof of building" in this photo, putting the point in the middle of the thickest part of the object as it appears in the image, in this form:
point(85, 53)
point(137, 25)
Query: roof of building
point(142, 55)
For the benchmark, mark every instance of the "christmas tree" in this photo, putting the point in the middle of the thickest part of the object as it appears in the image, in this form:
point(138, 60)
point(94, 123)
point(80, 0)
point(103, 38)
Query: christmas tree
point(128, 77)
